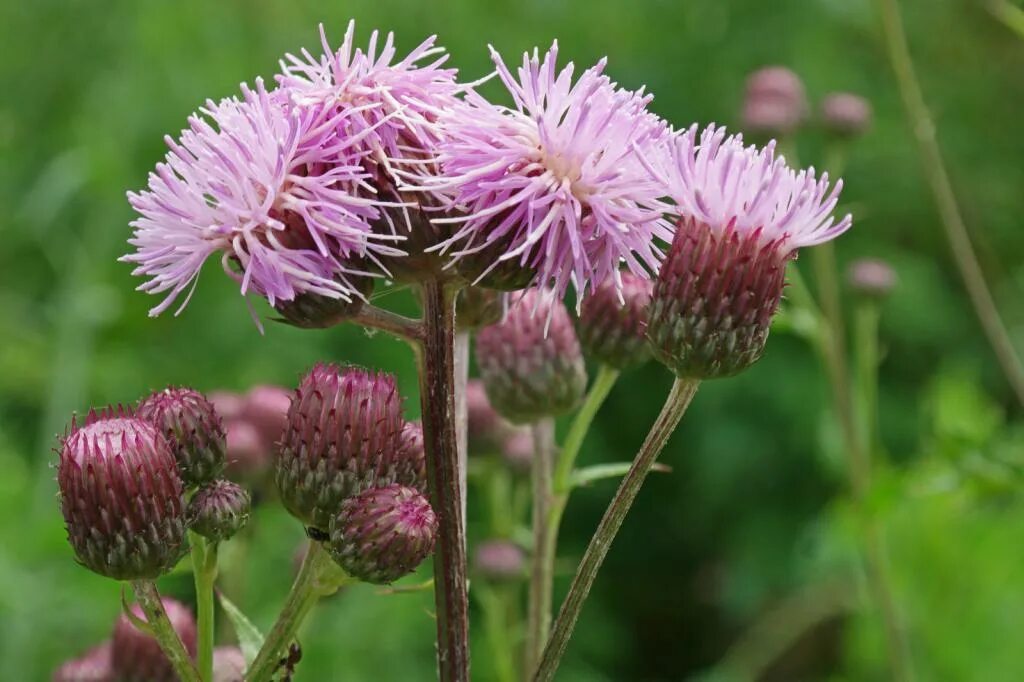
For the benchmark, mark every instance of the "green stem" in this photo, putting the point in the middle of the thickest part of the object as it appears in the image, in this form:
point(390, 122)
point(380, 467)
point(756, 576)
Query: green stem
point(162, 630)
point(204, 571)
point(397, 325)
point(309, 586)
point(542, 566)
point(496, 619)
point(866, 359)
point(602, 386)
point(675, 406)
point(1011, 15)
point(949, 211)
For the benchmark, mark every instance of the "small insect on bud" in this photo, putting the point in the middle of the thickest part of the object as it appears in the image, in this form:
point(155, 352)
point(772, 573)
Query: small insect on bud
point(871, 277)
point(137, 657)
point(218, 510)
point(383, 534)
point(228, 664)
point(844, 114)
point(93, 666)
point(613, 330)
point(344, 436)
point(775, 103)
point(499, 561)
point(530, 362)
point(192, 428)
point(121, 496)
point(316, 311)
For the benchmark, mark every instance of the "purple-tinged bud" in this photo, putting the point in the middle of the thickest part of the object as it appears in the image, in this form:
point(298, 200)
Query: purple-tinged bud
point(613, 330)
point(871, 277)
point(228, 664)
point(228, 405)
point(775, 103)
point(411, 458)
point(530, 362)
point(486, 428)
point(137, 657)
point(485, 267)
point(714, 299)
point(343, 437)
point(517, 450)
point(249, 454)
point(266, 408)
point(477, 307)
point(93, 666)
point(845, 114)
point(121, 496)
point(192, 428)
point(218, 510)
point(316, 311)
point(499, 561)
point(383, 534)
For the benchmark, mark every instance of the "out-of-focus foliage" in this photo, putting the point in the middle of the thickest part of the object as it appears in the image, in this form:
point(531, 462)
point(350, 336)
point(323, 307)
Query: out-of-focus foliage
point(754, 507)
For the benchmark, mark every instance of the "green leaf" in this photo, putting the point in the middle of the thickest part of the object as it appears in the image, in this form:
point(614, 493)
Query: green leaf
point(250, 639)
point(588, 475)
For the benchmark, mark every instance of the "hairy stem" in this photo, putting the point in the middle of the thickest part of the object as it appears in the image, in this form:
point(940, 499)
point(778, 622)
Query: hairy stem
point(397, 325)
point(542, 566)
point(149, 599)
point(204, 571)
point(945, 200)
point(437, 366)
point(675, 406)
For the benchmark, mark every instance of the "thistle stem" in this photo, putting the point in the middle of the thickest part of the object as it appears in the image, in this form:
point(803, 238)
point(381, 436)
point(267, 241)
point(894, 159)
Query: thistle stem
point(542, 566)
point(204, 571)
point(599, 390)
point(494, 604)
point(675, 406)
point(945, 199)
point(397, 325)
point(461, 421)
point(149, 599)
point(436, 361)
point(308, 588)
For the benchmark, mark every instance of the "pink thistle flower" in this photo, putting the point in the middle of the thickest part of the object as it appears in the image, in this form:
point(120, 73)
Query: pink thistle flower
point(553, 186)
point(267, 185)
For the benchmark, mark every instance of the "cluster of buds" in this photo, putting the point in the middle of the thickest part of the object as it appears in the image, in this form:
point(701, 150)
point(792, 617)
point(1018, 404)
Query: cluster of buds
point(193, 430)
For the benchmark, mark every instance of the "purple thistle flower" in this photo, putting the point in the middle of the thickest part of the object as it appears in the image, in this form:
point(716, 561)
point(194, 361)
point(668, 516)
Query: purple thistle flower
point(553, 185)
point(270, 187)
point(727, 186)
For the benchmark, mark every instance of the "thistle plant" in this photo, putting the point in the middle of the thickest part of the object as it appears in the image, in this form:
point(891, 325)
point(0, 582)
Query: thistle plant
point(357, 168)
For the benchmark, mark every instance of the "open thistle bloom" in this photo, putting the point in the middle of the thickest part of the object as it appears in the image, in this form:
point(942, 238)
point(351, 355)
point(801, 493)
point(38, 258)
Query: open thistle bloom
point(383, 534)
point(743, 213)
point(552, 189)
point(267, 185)
point(613, 324)
point(344, 435)
point(121, 496)
point(137, 657)
point(193, 430)
point(530, 362)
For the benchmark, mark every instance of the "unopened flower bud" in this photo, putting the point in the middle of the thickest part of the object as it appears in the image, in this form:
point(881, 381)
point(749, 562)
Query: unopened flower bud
point(121, 496)
point(410, 468)
point(192, 428)
point(229, 405)
point(485, 267)
point(613, 330)
point(218, 510)
point(137, 657)
point(517, 450)
point(531, 362)
point(499, 561)
point(714, 299)
point(92, 666)
point(485, 427)
point(844, 114)
point(343, 437)
point(266, 408)
point(228, 664)
point(316, 311)
point(775, 103)
point(383, 534)
point(871, 277)
point(249, 455)
point(477, 307)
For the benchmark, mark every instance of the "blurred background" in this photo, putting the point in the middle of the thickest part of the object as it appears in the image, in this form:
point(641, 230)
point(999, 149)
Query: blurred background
point(750, 530)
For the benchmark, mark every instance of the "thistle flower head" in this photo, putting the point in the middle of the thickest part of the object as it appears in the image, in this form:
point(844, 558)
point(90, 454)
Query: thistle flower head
point(268, 186)
point(344, 435)
point(411, 458)
point(121, 496)
point(552, 189)
point(530, 362)
point(775, 102)
point(845, 114)
point(871, 277)
point(218, 510)
point(316, 311)
point(193, 430)
point(383, 534)
point(499, 560)
point(137, 657)
point(613, 324)
point(266, 407)
point(742, 215)
point(92, 666)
